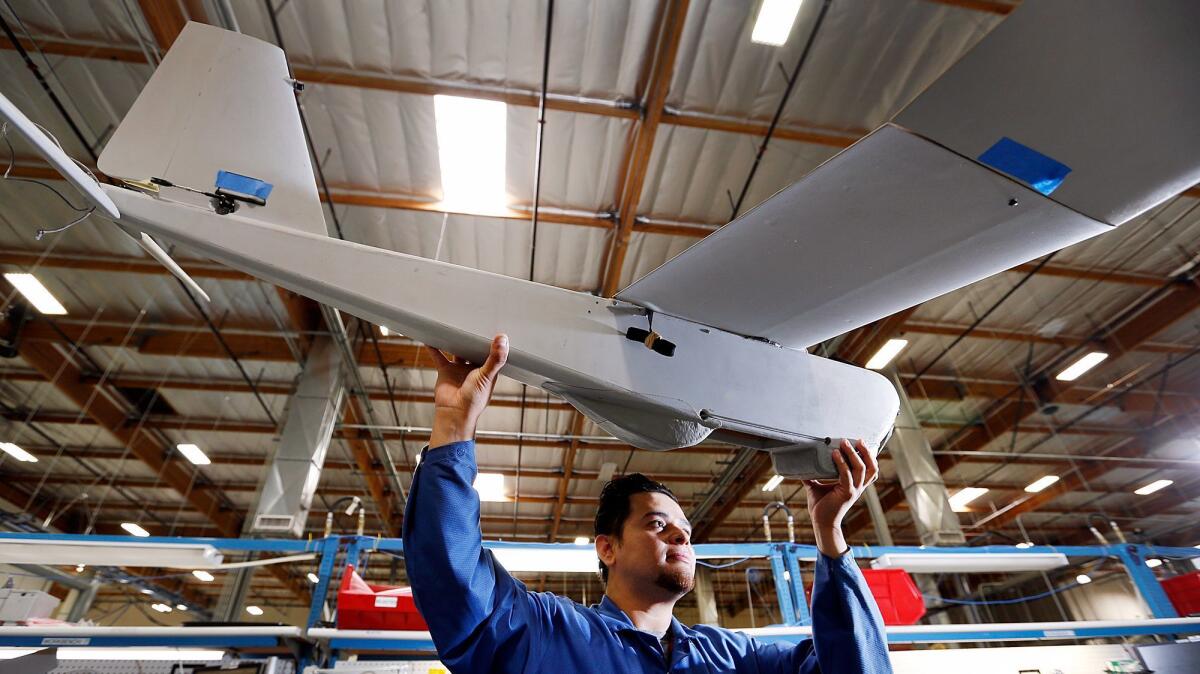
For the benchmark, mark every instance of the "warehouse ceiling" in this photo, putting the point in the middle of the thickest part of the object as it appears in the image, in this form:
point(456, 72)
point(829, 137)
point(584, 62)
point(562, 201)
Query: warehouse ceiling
point(656, 111)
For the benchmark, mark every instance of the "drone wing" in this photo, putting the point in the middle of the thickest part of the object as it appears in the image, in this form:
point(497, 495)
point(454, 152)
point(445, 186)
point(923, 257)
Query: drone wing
point(1067, 120)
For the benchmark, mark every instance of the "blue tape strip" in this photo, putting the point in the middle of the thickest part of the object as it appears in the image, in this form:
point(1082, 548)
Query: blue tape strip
point(243, 185)
point(1025, 164)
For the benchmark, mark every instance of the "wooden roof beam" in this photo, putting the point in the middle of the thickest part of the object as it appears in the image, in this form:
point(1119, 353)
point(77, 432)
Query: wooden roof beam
point(637, 159)
point(142, 442)
point(1172, 303)
point(166, 19)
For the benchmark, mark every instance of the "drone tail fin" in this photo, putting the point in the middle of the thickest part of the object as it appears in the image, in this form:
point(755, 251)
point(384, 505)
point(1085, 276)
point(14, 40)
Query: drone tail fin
point(217, 126)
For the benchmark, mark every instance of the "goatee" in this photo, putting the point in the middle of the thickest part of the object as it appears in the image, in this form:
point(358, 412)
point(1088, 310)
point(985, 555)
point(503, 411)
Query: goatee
point(678, 582)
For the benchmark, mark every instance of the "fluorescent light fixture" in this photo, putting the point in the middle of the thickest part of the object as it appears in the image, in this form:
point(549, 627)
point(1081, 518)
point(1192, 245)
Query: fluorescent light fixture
point(774, 22)
point(181, 607)
point(886, 353)
point(1153, 487)
point(194, 454)
point(146, 590)
point(383, 330)
point(142, 654)
point(991, 562)
point(312, 578)
point(203, 575)
point(1083, 579)
point(161, 608)
point(17, 453)
point(582, 540)
point(490, 487)
point(1041, 483)
point(35, 550)
point(254, 610)
point(775, 481)
point(570, 559)
point(606, 471)
point(135, 529)
point(1154, 562)
point(471, 135)
point(80, 568)
point(959, 501)
point(1023, 545)
point(1075, 370)
point(135, 654)
point(36, 293)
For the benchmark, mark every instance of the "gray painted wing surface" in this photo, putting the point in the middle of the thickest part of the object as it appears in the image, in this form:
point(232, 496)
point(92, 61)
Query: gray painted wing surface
point(891, 222)
point(1107, 88)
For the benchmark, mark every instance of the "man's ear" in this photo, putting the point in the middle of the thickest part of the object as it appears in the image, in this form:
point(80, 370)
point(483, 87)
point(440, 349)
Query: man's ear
point(605, 549)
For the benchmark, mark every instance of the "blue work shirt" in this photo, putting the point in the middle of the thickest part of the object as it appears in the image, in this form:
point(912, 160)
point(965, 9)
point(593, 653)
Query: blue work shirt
point(484, 620)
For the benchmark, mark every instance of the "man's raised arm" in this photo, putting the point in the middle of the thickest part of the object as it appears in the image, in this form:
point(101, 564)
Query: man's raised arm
point(475, 610)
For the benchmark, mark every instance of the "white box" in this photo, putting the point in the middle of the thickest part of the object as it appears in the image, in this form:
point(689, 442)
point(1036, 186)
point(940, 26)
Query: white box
point(18, 605)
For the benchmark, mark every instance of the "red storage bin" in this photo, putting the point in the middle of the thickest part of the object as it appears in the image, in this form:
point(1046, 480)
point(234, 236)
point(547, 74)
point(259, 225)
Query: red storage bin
point(894, 590)
point(362, 606)
point(1184, 593)
point(899, 600)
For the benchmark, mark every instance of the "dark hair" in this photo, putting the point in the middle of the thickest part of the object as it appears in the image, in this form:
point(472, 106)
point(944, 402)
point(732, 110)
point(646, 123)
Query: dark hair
point(614, 505)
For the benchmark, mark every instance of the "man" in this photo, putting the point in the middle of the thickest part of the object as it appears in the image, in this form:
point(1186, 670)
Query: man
point(484, 620)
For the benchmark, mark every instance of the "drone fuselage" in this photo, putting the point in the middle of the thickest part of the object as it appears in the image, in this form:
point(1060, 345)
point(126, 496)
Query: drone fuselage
point(569, 343)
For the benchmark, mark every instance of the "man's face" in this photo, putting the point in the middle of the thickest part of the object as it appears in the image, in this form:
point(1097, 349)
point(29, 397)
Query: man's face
point(655, 549)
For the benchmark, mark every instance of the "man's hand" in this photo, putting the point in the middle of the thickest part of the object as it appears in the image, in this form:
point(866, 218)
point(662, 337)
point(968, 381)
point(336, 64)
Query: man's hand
point(462, 392)
point(828, 503)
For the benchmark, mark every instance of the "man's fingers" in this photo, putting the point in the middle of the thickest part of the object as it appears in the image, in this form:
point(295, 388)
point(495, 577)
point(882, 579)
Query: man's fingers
point(844, 478)
point(858, 470)
point(497, 357)
point(869, 461)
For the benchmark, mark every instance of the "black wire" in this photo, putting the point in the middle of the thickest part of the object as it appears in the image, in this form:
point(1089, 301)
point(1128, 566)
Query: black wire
point(541, 124)
point(273, 13)
point(387, 382)
point(228, 351)
point(995, 305)
point(787, 94)
point(37, 73)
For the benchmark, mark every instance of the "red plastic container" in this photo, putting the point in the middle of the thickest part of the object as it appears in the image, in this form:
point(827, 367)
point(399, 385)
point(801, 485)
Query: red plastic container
point(894, 590)
point(899, 600)
point(1184, 592)
point(362, 606)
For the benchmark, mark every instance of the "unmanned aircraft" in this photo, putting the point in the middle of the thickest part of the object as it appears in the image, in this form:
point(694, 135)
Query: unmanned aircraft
point(1067, 120)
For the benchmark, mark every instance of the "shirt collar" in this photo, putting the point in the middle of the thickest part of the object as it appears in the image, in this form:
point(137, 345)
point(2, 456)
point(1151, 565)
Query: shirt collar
point(609, 609)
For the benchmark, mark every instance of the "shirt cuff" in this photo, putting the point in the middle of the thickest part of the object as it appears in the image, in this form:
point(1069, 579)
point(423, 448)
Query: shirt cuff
point(842, 561)
point(455, 451)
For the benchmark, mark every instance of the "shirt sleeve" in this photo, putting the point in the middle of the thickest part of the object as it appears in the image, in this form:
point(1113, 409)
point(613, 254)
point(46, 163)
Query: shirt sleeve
point(477, 613)
point(848, 632)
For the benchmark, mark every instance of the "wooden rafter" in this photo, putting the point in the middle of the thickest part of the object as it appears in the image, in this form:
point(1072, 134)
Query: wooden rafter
point(165, 19)
point(638, 155)
point(143, 442)
point(1173, 303)
point(568, 474)
point(1085, 474)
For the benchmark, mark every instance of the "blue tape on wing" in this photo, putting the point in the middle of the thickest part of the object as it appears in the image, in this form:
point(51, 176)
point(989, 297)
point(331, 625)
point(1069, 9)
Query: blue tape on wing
point(1025, 164)
point(240, 185)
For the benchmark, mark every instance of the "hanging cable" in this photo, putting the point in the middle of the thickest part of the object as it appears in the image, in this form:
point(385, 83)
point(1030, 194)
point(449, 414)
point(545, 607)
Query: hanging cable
point(37, 73)
point(541, 124)
point(1000, 602)
point(787, 94)
point(12, 159)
